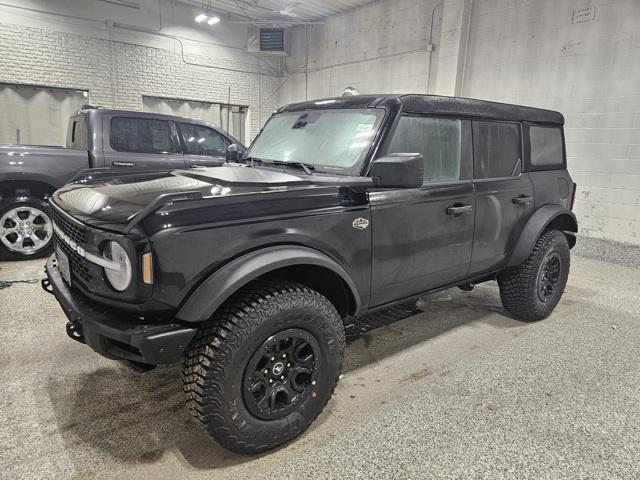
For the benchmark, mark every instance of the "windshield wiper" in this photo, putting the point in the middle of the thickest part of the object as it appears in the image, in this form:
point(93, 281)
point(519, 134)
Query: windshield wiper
point(308, 169)
point(250, 160)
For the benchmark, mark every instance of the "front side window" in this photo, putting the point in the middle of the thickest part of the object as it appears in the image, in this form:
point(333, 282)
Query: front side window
point(335, 141)
point(439, 140)
point(141, 135)
point(201, 140)
point(498, 150)
point(546, 146)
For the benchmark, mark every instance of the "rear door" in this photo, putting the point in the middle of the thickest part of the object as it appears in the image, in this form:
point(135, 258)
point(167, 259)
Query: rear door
point(139, 143)
point(422, 237)
point(203, 146)
point(504, 194)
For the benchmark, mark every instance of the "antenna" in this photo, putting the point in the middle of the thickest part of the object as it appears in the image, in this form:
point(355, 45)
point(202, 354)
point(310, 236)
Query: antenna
point(229, 112)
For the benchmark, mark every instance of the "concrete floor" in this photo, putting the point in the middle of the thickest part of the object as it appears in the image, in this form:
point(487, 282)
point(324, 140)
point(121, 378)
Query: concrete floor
point(459, 391)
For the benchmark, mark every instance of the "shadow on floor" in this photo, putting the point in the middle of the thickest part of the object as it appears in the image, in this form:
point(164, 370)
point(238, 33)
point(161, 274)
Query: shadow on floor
point(136, 418)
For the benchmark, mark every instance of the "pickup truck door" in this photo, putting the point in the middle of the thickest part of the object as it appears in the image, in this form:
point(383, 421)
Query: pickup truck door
point(422, 237)
point(138, 143)
point(203, 146)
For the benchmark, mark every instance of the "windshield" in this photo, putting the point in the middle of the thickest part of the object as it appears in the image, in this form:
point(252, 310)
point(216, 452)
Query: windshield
point(335, 141)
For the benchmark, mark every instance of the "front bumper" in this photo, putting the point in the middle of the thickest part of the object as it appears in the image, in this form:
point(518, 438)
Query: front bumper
point(115, 334)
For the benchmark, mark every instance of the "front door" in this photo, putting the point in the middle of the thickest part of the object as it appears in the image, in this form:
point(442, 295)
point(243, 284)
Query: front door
point(203, 146)
point(504, 195)
point(138, 143)
point(422, 238)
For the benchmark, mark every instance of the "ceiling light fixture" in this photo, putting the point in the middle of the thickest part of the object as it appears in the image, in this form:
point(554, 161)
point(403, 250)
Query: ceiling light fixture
point(206, 18)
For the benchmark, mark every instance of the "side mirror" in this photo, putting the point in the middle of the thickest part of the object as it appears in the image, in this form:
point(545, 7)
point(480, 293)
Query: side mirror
point(233, 153)
point(399, 170)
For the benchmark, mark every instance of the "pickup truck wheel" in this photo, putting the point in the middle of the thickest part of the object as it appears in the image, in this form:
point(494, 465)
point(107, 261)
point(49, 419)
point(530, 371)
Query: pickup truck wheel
point(262, 370)
point(26, 231)
point(532, 290)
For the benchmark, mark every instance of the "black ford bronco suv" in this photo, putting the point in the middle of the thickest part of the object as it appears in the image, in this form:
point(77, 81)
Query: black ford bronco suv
point(246, 272)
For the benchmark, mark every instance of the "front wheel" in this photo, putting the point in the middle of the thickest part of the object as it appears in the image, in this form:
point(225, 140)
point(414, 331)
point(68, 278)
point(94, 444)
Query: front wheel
point(531, 290)
point(26, 230)
point(263, 369)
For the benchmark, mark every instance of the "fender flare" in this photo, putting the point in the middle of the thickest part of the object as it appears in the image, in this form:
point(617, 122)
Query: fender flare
point(219, 286)
point(537, 224)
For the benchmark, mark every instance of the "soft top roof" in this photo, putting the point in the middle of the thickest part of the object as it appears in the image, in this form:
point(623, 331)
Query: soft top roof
point(436, 104)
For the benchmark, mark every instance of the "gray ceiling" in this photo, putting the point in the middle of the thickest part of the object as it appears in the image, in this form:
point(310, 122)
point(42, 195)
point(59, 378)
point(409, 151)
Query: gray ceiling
point(278, 10)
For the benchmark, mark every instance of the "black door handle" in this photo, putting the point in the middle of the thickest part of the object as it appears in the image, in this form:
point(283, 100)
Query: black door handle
point(522, 200)
point(458, 209)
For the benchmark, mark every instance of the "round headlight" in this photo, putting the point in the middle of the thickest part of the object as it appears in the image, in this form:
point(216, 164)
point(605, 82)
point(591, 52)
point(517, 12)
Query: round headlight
point(121, 279)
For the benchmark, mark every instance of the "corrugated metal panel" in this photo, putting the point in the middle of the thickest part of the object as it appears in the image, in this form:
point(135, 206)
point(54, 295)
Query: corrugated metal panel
point(273, 10)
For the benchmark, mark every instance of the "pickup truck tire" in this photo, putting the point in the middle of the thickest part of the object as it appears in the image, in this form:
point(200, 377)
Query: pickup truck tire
point(531, 290)
point(264, 367)
point(26, 231)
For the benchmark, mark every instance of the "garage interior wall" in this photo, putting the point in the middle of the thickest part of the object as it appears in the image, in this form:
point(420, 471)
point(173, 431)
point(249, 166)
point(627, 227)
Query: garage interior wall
point(39, 115)
point(581, 57)
point(156, 50)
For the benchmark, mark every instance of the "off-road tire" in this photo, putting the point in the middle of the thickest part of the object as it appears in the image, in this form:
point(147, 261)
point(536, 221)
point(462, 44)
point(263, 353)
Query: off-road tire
point(215, 363)
point(7, 254)
point(519, 285)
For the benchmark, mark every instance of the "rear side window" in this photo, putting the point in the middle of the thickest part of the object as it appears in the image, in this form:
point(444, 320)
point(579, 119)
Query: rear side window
point(79, 132)
point(546, 146)
point(201, 140)
point(141, 135)
point(439, 140)
point(498, 150)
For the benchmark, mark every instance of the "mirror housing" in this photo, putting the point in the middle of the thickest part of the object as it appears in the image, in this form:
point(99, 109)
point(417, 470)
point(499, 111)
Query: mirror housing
point(398, 170)
point(233, 153)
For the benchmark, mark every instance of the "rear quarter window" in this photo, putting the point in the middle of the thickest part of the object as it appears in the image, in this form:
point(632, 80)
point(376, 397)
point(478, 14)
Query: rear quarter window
point(546, 146)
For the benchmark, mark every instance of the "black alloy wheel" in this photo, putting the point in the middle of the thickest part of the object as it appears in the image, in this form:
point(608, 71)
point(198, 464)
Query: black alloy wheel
point(280, 373)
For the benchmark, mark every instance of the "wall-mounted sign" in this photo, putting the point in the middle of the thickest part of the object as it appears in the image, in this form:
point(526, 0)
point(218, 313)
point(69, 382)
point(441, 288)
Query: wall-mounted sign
point(582, 15)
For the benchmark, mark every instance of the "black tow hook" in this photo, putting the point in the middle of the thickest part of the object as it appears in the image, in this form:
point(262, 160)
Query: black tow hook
point(46, 286)
point(74, 330)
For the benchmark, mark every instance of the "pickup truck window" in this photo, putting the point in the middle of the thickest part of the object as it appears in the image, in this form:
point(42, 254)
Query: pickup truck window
point(498, 150)
point(201, 140)
point(439, 140)
point(141, 135)
point(332, 140)
point(79, 132)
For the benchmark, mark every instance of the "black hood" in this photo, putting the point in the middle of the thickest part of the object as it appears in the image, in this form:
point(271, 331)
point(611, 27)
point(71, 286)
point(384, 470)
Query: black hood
point(103, 200)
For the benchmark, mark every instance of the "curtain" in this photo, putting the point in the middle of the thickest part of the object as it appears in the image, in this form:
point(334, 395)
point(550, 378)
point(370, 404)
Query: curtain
point(37, 115)
point(231, 119)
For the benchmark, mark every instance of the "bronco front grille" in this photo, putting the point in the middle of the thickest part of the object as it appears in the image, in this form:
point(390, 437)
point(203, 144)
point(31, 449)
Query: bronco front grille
point(77, 233)
point(77, 264)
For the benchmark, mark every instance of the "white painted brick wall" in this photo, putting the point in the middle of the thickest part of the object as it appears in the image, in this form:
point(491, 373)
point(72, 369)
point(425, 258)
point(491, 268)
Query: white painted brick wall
point(43, 55)
point(529, 52)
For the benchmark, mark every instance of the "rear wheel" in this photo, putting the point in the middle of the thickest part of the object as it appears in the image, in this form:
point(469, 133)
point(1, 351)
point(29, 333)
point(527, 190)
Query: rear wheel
point(26, 231)
point(262, 370)
point(532, 290)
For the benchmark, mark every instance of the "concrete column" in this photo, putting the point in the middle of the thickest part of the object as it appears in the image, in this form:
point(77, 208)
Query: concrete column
point(451, 49)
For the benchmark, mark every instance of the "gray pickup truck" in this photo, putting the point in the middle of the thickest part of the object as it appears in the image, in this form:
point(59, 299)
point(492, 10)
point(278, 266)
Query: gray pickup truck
point(96, 139)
